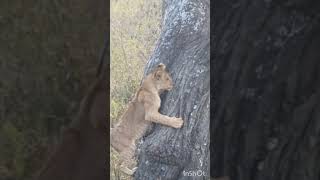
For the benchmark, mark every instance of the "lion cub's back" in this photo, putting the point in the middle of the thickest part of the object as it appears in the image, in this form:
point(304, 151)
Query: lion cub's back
point(131, 127)
point(138, 121)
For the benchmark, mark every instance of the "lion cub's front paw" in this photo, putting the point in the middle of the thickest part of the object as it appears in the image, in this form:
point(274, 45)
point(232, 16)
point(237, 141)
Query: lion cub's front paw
point(177, 122)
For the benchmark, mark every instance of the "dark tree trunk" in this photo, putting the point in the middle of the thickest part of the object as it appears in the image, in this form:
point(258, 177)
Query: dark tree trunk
point(184, 48)
point(82, 153)
point(266, 113)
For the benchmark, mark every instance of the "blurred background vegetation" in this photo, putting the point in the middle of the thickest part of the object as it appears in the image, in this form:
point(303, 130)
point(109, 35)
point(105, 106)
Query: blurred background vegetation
point(135, 28)
point(48, 56)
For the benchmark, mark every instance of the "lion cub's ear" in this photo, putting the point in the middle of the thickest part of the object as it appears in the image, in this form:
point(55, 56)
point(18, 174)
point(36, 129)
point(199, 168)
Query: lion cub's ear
point(158, 75)
point(161, 66)
point(158, 71)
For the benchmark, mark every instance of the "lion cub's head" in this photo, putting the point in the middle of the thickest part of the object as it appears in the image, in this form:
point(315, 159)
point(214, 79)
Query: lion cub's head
point(162, 78)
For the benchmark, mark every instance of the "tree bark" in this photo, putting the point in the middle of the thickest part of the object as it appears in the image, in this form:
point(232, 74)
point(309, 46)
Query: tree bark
point(184, 48)
point(82, 152)
point(266, 91)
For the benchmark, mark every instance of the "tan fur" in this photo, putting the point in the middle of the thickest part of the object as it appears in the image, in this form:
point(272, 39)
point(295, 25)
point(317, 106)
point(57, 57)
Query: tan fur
point(143, 110)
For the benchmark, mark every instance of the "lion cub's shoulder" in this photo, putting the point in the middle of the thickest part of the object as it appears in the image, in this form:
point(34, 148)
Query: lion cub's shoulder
point(141, 95)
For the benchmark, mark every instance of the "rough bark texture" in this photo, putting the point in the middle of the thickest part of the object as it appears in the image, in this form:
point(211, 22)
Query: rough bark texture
point(266, 112)
point(184, 48)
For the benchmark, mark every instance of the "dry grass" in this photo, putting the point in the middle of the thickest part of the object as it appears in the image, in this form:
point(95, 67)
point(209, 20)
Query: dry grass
point(135, 27)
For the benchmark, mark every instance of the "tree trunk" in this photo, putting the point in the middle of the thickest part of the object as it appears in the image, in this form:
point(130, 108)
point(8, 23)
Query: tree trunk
point(82, 153)
point(184, 48)
point(266, 120)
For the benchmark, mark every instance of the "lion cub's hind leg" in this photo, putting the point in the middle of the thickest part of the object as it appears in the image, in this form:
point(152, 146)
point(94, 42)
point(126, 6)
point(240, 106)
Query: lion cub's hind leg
point(128, 161)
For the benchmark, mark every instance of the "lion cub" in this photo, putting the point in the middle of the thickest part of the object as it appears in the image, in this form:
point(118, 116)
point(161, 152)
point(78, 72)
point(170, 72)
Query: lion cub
point(141, 111)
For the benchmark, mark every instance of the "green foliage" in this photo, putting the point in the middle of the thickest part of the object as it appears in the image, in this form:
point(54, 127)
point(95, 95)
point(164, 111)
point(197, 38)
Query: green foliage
point(135, 27)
